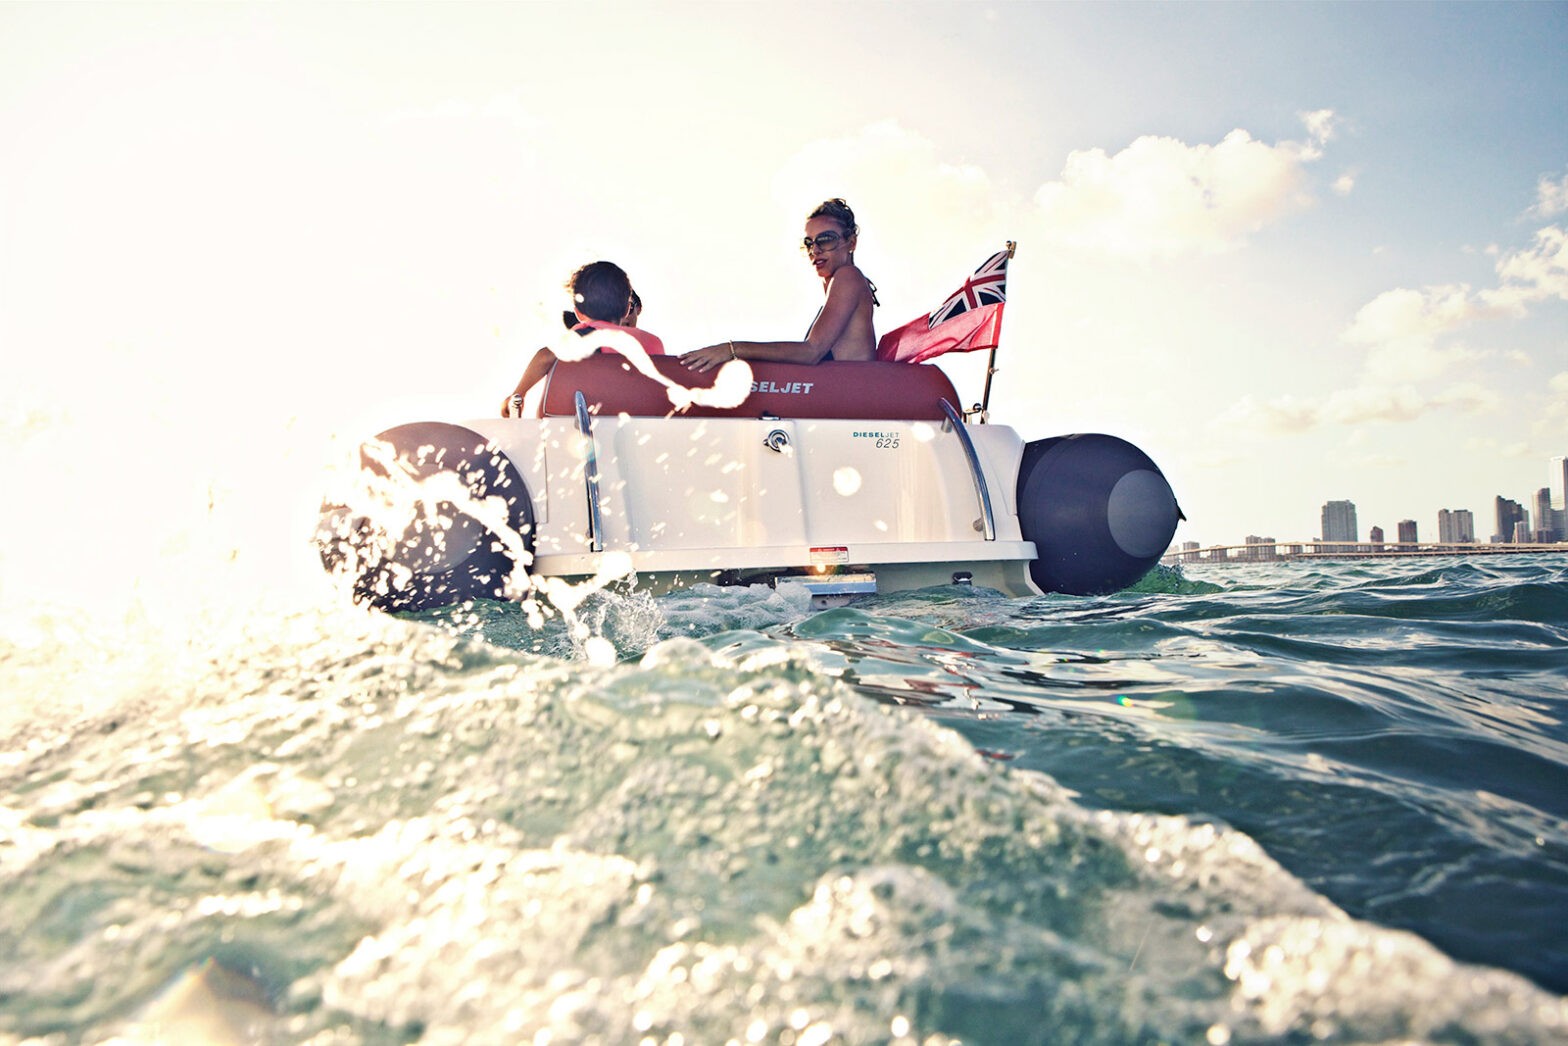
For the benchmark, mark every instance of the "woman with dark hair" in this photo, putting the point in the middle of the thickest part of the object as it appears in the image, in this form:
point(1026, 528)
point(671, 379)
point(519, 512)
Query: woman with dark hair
point(604, 300)
point(843, 327)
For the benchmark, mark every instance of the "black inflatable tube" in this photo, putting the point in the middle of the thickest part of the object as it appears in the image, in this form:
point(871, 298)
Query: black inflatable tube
point(1098, 509)
point(410, 564)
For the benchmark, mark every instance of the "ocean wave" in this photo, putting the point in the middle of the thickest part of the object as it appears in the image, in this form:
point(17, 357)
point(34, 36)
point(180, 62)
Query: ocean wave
point(350, 828)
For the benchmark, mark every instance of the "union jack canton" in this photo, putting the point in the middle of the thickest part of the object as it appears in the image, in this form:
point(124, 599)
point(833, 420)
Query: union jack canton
point(988, 286)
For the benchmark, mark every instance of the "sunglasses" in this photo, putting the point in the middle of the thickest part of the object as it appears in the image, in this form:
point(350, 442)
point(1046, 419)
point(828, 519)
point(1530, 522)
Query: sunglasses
point(822, 244)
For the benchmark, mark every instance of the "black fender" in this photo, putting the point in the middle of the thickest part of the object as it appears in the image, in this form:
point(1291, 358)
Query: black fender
point(1098, 510)
point(429, 551)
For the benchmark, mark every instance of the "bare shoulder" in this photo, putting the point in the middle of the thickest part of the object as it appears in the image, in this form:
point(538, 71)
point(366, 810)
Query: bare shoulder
point(851, 281)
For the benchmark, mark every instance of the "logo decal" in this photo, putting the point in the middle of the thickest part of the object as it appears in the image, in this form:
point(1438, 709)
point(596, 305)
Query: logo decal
point(787, 388)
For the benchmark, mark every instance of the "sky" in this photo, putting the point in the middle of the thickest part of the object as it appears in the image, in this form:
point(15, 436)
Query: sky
point(1297, 253)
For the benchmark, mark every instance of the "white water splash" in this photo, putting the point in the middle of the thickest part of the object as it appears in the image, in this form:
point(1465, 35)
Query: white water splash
point(730, 387)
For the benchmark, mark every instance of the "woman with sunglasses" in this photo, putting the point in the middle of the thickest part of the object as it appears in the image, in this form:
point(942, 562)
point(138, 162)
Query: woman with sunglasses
point(843, 328)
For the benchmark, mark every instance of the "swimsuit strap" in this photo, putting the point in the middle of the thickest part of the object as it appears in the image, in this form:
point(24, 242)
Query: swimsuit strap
point(818, 316)
point(814, 320)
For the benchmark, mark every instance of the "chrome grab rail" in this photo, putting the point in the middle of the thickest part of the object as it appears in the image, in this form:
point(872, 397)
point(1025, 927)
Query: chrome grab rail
point(988, 521)
point(591, 474)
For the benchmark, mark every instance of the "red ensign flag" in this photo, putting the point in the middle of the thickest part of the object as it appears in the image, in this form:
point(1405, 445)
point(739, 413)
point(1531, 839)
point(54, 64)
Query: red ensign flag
point(971, 319)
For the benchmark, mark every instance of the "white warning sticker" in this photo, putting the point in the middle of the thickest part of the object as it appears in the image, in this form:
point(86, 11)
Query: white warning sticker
point(829, 555)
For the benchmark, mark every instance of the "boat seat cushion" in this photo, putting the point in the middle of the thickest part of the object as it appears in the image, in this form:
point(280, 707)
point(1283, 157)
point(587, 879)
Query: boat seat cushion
point(875, 391)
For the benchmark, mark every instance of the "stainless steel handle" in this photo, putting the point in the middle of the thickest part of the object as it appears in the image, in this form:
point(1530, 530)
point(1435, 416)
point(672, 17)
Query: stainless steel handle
point(591, 474)
point(987, 520)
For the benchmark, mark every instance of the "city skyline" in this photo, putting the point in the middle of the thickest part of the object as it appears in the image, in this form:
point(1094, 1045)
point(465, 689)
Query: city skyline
point(1540, 517)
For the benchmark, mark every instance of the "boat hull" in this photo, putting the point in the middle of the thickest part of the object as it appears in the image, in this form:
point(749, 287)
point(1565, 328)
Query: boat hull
point(497, 508)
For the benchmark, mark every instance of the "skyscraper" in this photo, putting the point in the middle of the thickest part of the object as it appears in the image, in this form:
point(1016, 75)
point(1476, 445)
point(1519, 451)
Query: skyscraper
point(1339, 521)
point(1545, 519)
point(1509, 514)
point(1559, 487)
point(1456, 527)
point(1407, 532)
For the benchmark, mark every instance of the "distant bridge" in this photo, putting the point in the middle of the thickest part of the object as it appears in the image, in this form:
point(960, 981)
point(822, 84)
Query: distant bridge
point(1266, 552)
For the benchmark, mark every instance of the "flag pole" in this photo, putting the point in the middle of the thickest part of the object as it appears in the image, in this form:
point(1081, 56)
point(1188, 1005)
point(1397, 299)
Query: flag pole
point(984, 407)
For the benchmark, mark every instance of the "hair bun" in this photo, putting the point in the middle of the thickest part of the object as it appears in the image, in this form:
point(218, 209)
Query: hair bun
point(837, 210)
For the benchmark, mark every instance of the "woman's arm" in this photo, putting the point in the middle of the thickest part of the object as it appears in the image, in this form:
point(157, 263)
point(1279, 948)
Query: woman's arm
point(847, 292)
point(537, 368)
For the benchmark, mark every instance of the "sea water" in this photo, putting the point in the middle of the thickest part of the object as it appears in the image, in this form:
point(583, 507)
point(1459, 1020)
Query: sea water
point(1276, 802)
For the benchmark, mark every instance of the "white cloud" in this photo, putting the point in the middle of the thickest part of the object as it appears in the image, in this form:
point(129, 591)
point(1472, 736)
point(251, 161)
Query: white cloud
point(1373, 403)
point(1287, 415)
point(1404, 314)
point(1400, 330)
point(1538, 272)
point(1282, 415)
point(1345, 183)
point(1403, 330)
point(1535, 273)
point(1320, 125)
point(1470, 397)
point(1557, 408)
point(1551, 197)
point(1162, 198)
point(1407, 335)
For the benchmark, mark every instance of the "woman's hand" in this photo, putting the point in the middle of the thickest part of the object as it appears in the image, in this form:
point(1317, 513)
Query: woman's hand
point(708, 357)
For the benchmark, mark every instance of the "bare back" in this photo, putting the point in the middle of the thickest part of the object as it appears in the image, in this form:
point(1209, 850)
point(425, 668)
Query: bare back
point(845, 321)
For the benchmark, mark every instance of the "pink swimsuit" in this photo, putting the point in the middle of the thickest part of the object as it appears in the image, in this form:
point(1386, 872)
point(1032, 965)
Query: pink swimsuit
point(650, 342)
